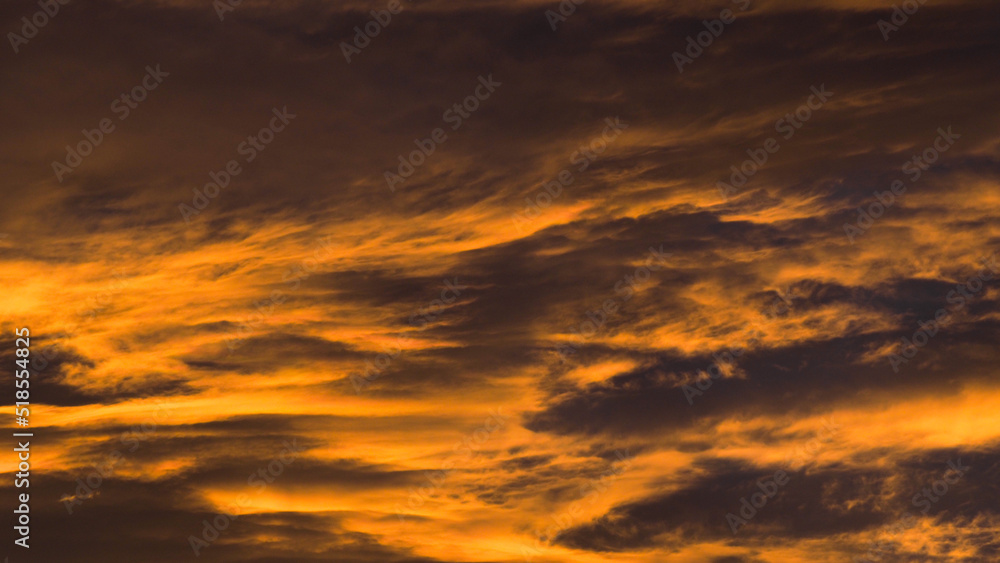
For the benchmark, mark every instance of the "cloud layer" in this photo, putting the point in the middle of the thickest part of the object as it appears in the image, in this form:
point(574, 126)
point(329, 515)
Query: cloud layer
point(612, 301)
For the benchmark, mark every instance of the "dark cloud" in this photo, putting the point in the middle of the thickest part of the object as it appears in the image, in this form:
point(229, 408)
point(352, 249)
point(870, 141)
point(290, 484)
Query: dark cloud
point(814, 503)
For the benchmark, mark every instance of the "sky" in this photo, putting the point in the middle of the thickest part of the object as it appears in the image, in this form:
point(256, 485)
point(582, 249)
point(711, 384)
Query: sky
point(430, 281)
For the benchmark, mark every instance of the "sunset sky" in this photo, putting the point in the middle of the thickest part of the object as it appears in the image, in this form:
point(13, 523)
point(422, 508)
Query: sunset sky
point(500, 281)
